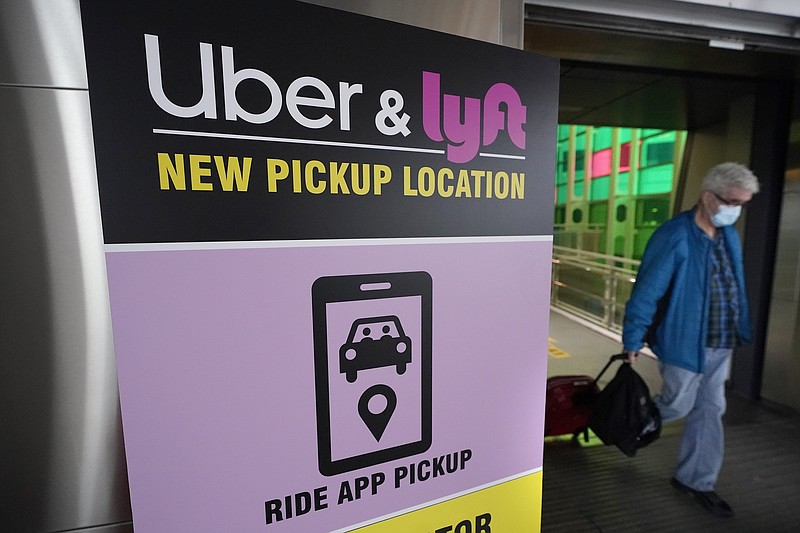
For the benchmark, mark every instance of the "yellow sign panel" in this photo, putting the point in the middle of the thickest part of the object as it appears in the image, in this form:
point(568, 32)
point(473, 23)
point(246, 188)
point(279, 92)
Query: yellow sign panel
point(511, 507)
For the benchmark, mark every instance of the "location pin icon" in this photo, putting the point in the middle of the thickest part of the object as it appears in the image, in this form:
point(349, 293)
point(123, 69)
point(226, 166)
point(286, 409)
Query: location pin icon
point(377, 422)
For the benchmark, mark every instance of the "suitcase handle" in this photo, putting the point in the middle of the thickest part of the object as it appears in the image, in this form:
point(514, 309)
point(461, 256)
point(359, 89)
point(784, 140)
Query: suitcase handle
point(616, 357)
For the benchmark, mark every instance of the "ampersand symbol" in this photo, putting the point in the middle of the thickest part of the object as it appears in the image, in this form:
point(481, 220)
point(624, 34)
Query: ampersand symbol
point(387, 120)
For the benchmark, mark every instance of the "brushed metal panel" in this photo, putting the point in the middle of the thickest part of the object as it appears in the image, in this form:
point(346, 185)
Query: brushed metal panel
point(63, 463)
point(126, 527)
point(41, 44)
point(777, 7)
point(700, 19)
point(494, 21)
point(781, 380)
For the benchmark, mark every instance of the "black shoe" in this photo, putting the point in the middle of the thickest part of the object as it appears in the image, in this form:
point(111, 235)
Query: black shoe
point(707, 498)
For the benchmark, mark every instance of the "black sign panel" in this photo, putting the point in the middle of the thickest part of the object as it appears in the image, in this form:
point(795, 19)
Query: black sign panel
point(322, 127)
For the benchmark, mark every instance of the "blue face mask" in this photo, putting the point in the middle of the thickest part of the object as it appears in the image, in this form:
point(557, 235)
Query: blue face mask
point(726, 215)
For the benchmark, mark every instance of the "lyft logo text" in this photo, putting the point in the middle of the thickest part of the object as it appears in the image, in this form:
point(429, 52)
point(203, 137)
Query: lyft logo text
point(441, 118)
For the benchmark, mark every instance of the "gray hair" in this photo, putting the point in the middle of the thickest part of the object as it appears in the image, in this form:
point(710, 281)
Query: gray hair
point(725, 176)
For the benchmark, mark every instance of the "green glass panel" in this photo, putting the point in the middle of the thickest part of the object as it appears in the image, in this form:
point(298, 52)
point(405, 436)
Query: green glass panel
point(599, 188)
point(658, 150)
point(651, 190)
point(602, 138)
point(652, 211)
point(622, 183)
point(561, 194)
point(655, 180)
point(560, 215)
point(598, 214)
point(580, 156)
point(649, 132)
point(619, 250)
point(640, 239)
point(563, 163)
point(667, 136)
point(578, 188)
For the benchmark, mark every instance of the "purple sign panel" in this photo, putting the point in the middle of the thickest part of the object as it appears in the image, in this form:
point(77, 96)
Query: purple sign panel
point(224, 414)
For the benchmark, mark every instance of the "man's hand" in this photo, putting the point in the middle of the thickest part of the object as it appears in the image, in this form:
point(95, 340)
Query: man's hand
point(632, 356)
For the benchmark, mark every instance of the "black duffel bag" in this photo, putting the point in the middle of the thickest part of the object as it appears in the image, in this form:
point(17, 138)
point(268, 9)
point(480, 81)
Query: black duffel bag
point(624, 414)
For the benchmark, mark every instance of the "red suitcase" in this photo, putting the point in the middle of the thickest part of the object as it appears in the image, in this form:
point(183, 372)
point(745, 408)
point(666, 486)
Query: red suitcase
point(569, 401)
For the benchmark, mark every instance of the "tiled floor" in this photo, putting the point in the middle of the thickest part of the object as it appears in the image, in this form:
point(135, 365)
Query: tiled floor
point(594, 488)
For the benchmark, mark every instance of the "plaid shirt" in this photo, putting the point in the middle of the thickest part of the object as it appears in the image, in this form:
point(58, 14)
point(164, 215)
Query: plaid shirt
point(724, 305)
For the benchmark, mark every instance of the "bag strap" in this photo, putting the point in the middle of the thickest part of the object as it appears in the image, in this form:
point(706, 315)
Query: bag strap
point(616, 357)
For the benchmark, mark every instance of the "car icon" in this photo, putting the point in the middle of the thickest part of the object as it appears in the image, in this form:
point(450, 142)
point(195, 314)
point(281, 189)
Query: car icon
point(374, 343)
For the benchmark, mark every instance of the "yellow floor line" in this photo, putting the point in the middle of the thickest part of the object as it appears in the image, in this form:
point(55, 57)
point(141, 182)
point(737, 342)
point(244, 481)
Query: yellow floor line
point(558, 353)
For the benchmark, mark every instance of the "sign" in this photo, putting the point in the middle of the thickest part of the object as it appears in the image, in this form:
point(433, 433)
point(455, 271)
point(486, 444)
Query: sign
point(328, 243)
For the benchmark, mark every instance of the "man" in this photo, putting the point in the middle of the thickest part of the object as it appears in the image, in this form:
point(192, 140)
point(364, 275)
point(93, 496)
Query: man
point(690, 305)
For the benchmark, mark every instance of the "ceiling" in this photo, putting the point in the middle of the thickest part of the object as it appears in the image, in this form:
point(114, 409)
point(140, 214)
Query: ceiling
point(637, 78)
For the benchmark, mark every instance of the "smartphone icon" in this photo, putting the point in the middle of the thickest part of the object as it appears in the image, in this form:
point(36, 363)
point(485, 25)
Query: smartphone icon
point(372, 363)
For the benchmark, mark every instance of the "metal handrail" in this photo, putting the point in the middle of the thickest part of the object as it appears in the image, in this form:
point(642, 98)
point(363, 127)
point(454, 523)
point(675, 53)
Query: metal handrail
point(591, 285)
point(597, 260)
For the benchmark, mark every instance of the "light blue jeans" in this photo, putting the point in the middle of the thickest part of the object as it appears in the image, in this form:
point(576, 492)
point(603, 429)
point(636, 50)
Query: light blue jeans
point(701, 399)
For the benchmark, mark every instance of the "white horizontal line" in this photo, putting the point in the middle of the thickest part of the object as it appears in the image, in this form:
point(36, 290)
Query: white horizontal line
point(316, 243)
point(502, 156)
point(729, 44)
point(294, 141)
point(242, 137)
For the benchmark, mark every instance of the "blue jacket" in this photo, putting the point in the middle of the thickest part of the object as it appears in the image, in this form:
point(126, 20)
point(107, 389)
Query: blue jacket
point(668, 307)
